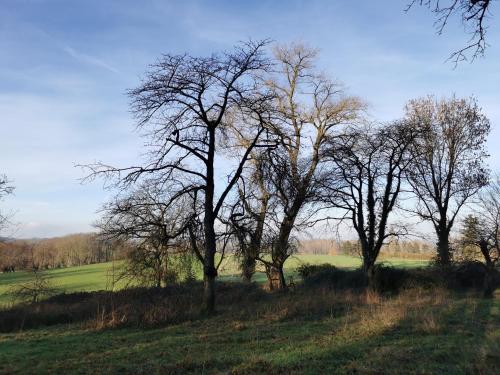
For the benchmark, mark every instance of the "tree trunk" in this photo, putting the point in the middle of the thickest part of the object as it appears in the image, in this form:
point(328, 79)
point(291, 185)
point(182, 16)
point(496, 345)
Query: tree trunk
point(485, 250)
point(209, 271)
point(281, 252)
point(275, 277)
point(369, 270)
point(488, 287)
point(158, 280)
point(443, 248)
point(248, 268)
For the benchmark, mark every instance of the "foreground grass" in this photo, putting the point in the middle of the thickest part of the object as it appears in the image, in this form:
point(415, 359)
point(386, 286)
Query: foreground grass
point(100, 276)
point(308, 331)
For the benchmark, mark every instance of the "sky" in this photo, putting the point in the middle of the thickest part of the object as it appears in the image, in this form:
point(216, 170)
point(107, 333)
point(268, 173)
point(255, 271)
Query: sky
point(65, 67)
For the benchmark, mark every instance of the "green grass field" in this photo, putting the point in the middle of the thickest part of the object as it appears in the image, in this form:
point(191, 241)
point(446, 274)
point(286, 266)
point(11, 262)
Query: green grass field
point(99, 276)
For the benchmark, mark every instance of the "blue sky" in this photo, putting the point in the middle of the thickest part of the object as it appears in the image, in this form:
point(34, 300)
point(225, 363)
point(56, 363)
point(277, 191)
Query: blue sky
point(65, 66)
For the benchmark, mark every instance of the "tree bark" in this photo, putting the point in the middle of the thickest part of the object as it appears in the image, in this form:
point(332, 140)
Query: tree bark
point(369, 270)
point(443, 248)
point(276, 277)
point(209, 270)
point(248, 268)
point(280, 253)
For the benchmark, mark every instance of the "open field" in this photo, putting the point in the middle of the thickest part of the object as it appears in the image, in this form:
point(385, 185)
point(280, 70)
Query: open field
point(98, 276)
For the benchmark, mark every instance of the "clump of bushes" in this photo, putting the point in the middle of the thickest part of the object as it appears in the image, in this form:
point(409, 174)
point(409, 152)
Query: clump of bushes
point(385, 278)
point(469, 274)
point(329, 275)
point(388, 279)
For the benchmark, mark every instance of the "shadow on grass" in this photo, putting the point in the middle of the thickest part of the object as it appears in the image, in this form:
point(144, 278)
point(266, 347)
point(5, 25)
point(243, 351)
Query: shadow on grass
point(283, 334)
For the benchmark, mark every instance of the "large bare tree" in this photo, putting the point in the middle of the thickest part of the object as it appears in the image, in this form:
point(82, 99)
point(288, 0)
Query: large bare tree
point(310, 107)
point(366, 179)
point(447, 161)
point(185, 107)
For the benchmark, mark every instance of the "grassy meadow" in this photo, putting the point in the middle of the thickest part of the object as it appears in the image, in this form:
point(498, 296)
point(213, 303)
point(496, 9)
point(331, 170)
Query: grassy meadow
point(308, 331)
point(313, 329)
point(100, 276)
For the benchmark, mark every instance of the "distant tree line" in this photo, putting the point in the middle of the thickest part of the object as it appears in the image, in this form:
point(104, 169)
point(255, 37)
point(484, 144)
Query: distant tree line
point(58, 252)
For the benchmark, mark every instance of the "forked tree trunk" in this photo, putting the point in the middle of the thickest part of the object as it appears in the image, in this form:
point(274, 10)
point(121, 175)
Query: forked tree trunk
point(276, 276)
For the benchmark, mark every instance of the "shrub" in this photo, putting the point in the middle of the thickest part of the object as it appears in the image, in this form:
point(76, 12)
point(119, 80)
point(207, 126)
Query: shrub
point(389, 279)
point(469, 274)
point(329, 275)
point(306, 270)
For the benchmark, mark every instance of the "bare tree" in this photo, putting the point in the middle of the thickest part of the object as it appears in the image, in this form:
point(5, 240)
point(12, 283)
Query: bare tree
point(38, 287)
point(310, 107)
point(154, 223)
point(447, 161)
point(249, 215)
point(489, 209)
point(367, 173)
point(186, 106)
point(5, 189)
point(474, 15)
point(482, 228)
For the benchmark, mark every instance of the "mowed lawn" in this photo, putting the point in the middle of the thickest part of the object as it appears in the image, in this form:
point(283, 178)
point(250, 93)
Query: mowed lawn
point(100, 276)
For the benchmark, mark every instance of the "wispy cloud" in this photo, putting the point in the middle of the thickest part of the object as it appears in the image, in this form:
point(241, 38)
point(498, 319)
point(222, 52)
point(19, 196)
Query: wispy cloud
point(87, 59)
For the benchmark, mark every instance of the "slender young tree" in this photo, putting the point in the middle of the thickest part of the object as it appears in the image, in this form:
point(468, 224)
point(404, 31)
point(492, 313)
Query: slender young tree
point(365, 182)
point(249, 215)
point(448, 161)
point(186, 105)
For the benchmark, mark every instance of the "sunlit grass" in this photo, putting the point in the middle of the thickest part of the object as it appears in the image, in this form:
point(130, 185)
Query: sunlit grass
point(309, 332)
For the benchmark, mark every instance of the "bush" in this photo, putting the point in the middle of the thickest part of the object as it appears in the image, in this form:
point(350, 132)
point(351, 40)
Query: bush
point(306, 270)
point(469, 274)
point(389, 279)
point(329, 275)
